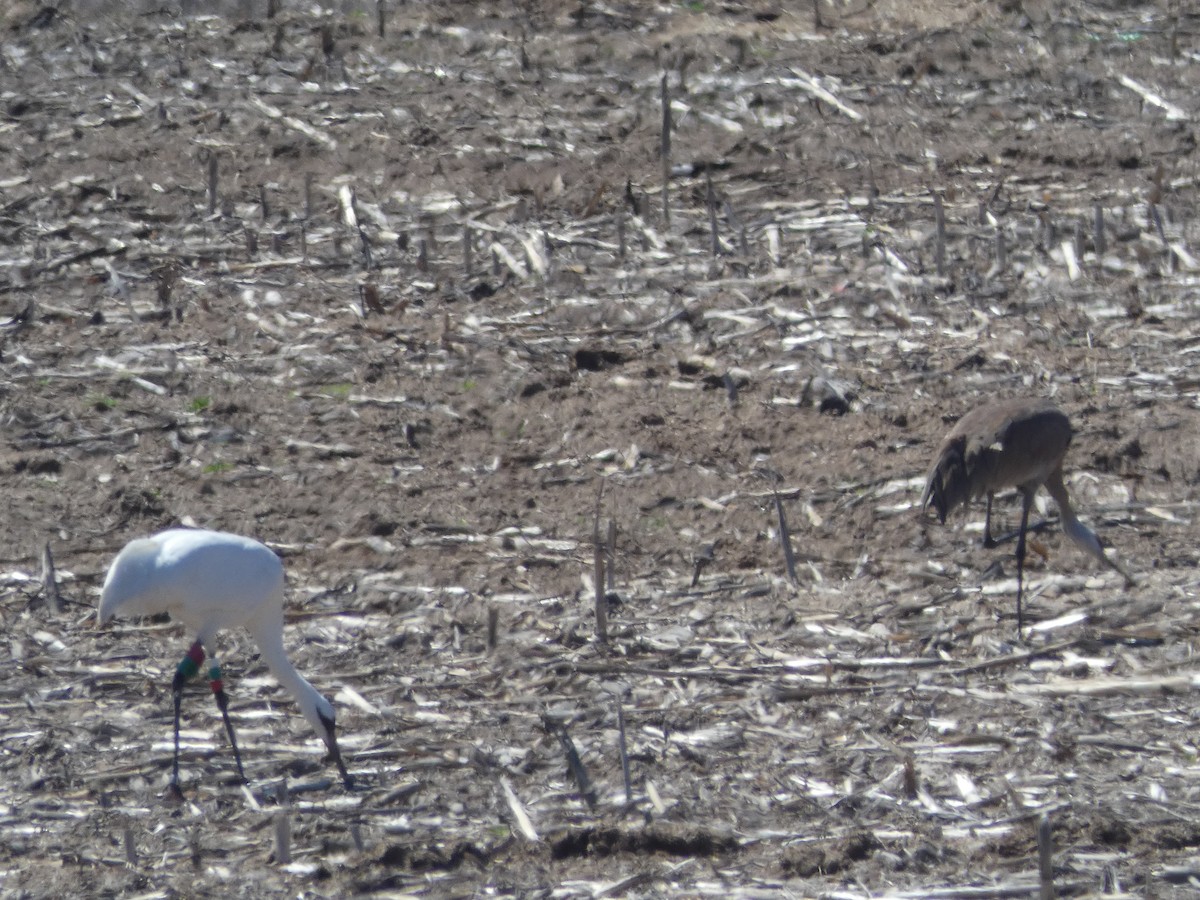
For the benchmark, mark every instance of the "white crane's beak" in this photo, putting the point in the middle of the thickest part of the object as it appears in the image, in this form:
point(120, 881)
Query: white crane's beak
point(335, 754)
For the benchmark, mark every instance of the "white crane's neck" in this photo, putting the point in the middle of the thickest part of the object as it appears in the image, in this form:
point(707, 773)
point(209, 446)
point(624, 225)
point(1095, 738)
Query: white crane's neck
point(308, 698)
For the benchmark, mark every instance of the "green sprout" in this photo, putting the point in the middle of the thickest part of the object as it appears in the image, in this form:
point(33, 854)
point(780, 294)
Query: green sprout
point(336, 391)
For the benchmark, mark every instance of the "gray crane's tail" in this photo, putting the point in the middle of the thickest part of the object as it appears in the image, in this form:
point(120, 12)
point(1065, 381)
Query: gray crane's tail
point(948, 485)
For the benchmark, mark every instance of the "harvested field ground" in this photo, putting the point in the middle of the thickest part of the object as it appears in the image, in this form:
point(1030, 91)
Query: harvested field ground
point(408, 309)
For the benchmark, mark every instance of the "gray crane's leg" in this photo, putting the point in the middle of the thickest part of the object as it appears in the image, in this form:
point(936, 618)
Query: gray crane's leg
point(1026, 505)
point(991, 543)
point(988, 541)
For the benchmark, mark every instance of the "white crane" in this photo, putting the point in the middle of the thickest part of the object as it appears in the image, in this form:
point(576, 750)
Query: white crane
point(209, 580)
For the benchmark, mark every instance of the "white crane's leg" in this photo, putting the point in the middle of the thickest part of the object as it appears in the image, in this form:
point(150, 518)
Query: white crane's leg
point(189, 666)
point(218, 689)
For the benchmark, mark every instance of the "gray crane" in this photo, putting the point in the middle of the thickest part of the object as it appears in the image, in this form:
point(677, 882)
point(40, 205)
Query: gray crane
point(1010, 443)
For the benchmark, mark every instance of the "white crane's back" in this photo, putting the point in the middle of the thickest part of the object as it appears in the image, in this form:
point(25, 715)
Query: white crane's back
point(205, 580)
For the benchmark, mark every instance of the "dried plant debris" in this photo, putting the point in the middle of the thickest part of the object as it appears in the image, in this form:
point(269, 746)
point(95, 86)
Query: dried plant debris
point(412, 293)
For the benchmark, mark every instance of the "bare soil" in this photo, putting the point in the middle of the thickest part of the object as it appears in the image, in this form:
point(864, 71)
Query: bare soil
point(412, 310)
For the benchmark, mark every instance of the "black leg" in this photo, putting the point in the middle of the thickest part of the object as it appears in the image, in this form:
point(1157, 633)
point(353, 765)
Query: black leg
point(188, 666)
point(1036, 526)
point(992, 542)
point(1026, 504)
point(174, 786)
point(218, 689)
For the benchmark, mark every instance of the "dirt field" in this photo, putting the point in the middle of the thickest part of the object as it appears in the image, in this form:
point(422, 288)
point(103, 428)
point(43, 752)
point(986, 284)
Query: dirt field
point(412, 309)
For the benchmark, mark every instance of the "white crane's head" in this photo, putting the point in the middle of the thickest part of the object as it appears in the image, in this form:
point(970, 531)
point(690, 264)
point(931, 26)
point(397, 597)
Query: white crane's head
point(125, 583)
point(322, 717)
